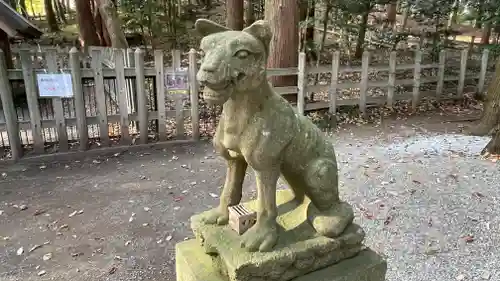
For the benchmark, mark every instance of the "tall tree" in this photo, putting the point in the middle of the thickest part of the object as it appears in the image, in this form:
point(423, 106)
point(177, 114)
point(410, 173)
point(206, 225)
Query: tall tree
point(283, 17)
point(51, 16)
point(392, 12)
point(22, 6)
point(86, 25)
point(234, 14)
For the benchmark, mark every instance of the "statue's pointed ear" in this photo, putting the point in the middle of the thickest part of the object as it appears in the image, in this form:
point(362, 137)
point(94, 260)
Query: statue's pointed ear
point(206, 27)
point(262, 31)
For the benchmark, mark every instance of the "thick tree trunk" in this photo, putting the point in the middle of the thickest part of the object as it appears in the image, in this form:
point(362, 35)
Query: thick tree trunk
point(88, 34)
point(113, 24)
point(283, 17)
point(51, 16)
point(234, 14)
point(493, 147)
point(249, 13)
point(491, 112)
point(5, 47)
point(361, 35)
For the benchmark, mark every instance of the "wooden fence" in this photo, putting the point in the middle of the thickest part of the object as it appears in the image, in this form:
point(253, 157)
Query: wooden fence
point(136, 106)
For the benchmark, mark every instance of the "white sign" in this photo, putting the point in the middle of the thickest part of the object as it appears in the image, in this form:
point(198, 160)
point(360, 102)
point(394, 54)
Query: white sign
point(55, 85)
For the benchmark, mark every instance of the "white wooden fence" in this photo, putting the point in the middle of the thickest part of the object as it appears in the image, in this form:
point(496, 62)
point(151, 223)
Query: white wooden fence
point(144, 111)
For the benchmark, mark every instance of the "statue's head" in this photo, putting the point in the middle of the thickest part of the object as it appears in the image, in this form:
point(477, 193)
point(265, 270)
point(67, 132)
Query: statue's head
point(234, 61)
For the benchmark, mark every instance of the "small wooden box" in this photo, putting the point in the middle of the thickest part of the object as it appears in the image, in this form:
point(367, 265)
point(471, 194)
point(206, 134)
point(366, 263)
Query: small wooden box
point(241, 219)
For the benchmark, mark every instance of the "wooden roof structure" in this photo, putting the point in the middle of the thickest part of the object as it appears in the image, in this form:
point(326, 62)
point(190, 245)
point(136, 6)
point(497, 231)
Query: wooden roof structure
point(15, 25)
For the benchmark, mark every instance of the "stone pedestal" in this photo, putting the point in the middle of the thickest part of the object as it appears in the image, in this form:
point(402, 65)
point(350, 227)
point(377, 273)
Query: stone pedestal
point(192, 264)
point(300, 253)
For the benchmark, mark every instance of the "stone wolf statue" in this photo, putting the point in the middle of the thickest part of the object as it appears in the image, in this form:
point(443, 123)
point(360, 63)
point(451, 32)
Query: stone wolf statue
point(260, 129)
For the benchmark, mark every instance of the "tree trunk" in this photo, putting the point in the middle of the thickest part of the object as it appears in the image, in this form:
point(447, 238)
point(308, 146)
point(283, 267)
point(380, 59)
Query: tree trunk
point(22, 6)
point(62, 11)
point(361, 35)
point(113, 24)
point(249, 13)
point(5, 47)
point(392, 12)
point(307, 15)
point(404, 22)
point(493, 147)
point(51, 16)
point(234, 14)
point(13, 4)
point(486, 33)
point(283, 17)
point(491, 111)
point(87, 28)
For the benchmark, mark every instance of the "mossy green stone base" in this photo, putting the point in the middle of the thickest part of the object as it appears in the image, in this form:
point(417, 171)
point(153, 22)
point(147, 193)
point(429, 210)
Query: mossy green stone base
point(299, 250)
point(192, 264)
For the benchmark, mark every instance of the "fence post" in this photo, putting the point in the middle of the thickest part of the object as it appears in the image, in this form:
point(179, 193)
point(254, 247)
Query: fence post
point(160, 94)
point(365, 62)
point(482, 73)
point(80, 111)
point(193, 90)
point(301, 83)
point(333, 83)
point(392, 79)
point(9, 111)
point(441, 67)
point(62, 133)
point(100, 93)
point(179, 110)
point(121, 84)
point(416, 79)
point(142, 104)
point(463, 68)
point(32, 97)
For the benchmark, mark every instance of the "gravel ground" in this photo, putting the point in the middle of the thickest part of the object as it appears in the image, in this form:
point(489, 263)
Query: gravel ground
point(427, 201)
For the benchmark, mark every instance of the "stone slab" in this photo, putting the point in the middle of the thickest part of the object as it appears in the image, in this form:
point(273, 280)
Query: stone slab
point(192, 264)
point(299, 250)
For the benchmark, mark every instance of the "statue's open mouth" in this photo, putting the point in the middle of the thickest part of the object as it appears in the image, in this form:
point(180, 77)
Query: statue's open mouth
point(218, 91)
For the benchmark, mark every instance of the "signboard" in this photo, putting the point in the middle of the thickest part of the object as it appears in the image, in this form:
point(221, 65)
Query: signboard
point(55, 85)
point(177, 82)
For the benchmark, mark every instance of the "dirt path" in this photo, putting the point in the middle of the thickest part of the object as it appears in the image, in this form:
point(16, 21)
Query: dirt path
point(417, 190)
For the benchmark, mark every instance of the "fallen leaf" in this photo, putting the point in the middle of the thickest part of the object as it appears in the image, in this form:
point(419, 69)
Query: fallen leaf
point(41, 273)
point(47, 256)
point(468, 238)
point(388, 219)
point(39, 212)
point(147, 209)
point(477, 194)
point(368, 215)
point(168, 238)
point(416, 181)
point(177, 199)
point(20, 251)
point(213, 195)
point(112, 270)
point(34, 248)
point(72, 214)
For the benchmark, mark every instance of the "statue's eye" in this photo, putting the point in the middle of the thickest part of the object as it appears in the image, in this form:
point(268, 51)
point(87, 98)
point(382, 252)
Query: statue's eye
point(242, 54)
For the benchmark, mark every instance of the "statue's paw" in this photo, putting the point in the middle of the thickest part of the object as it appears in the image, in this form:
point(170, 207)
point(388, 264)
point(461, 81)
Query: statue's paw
point(331, 223)
point(216, 216)
point(261, 237)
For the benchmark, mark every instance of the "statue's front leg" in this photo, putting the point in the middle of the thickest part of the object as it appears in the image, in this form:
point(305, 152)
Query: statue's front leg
point(264, 234)
point(231, 192)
